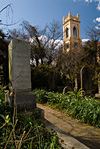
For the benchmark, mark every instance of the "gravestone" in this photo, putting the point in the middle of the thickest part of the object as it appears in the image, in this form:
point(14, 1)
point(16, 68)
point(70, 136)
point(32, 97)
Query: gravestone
point(86, 81)
point(76, 84)
point(98, 94)
point(20, 75)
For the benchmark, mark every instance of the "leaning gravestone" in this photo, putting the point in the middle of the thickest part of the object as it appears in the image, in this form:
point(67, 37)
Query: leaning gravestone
point(20, 75)
point(86, 81)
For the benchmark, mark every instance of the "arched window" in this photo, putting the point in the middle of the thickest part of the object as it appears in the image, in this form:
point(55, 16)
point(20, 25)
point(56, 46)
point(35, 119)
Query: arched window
point(67, 32)
point(75, 45)
point(74, 31)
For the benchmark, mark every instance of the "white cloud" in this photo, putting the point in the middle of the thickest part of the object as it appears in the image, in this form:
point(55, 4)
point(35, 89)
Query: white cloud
point(97, 23)
point(48, 42)
point(90, 1)
point(85, 0)
point(98, 19)
point(97, 27)
point(84, 41)
point(98, 3)
point(98, 6)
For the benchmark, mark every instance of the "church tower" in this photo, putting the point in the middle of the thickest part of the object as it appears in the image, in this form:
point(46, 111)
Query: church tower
point(71, 33)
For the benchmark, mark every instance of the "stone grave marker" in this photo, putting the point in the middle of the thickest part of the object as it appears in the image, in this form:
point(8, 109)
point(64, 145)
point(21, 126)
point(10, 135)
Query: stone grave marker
point(86, 81)
point(98, 94)
point(20, 74)
point(76, 83)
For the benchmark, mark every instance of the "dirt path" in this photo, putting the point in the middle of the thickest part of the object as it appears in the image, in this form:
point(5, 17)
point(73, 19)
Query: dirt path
point(88, 135)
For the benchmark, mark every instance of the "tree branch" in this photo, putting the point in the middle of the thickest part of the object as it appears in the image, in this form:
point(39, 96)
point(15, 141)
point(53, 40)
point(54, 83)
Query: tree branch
point(9, 5)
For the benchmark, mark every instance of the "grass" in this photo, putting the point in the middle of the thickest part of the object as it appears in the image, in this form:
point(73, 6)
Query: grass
point(85, 109)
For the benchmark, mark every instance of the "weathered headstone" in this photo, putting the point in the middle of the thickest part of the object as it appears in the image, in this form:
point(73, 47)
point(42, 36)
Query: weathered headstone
point(98, 94)
point(86, 81)
point(52, 82)
point(66, 89)
point(76, 84)
point(20, 74)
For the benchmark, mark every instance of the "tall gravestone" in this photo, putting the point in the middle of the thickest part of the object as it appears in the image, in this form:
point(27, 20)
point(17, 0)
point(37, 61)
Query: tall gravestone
point(20, 74)
point(86, 81)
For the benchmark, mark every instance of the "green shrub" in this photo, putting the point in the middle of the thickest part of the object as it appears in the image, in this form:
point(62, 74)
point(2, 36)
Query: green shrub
point(22, 130)
point(29, 132)
point(41, 96)
point(84, 109)
point(2, 96)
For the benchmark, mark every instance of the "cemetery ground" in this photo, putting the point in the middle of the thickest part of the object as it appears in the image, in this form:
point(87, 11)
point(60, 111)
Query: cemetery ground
point(68, 113)
point(71, 128)
point(28, 131)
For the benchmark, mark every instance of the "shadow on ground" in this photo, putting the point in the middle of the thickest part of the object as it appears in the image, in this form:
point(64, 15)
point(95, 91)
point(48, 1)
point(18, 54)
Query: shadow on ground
point(92, 144)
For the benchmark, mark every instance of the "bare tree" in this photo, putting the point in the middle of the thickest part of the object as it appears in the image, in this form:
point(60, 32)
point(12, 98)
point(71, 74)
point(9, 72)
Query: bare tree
point(54, 35)
point(17, 34)
point(70, 62)
point(93, 33)
point(91, 48)
point(30, 30)
point(45, 42)
point(37, 49)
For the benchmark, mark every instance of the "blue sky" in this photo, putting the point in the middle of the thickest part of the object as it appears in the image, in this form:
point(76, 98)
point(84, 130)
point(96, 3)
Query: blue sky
point(42, 12)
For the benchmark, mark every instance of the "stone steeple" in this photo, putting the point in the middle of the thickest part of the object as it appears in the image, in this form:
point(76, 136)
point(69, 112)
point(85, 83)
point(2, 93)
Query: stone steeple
point(71, 32)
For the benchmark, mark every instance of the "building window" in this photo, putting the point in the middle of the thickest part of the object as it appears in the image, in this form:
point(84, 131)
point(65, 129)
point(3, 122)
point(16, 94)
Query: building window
point(67, 46)
point(75, 45)
point(67, 33)
point(74, 31)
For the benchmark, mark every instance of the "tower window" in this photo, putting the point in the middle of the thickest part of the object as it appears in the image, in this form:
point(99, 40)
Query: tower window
point(75, 45)
point(74, 31)
point(67, 33)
